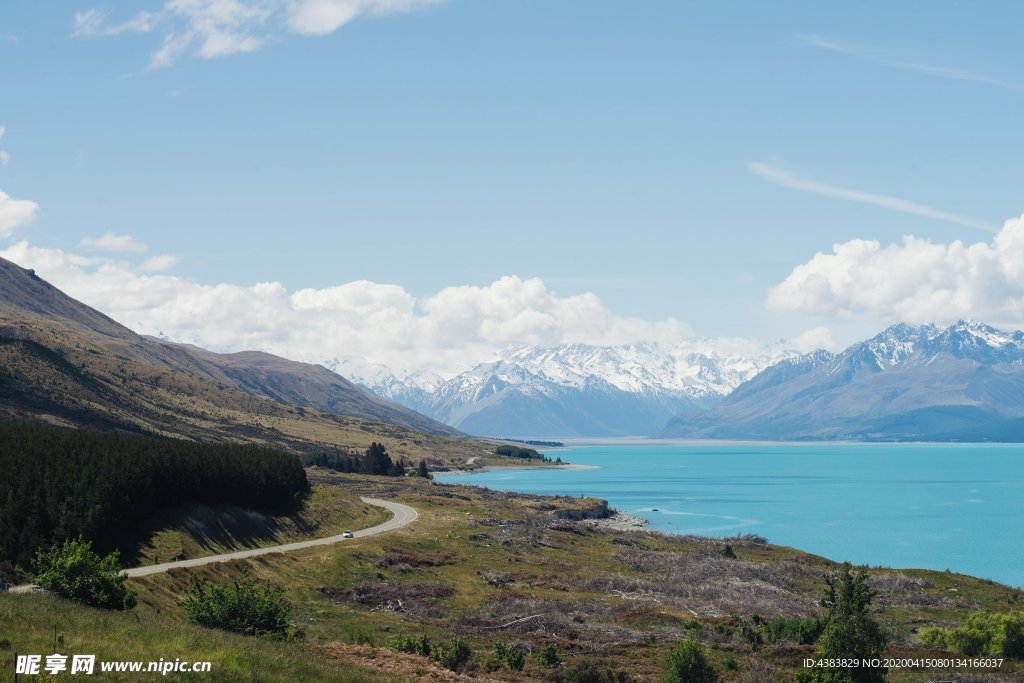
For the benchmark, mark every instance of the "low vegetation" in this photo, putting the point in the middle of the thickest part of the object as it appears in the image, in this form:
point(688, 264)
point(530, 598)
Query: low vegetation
point(72, 570)
point(482, 576)
point(239, 605)
point(984, 634)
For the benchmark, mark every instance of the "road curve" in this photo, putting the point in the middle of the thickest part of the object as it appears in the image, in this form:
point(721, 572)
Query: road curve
point(403, 514)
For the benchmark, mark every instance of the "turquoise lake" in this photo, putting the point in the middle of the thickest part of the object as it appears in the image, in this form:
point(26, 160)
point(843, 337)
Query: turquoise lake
point(950, 506)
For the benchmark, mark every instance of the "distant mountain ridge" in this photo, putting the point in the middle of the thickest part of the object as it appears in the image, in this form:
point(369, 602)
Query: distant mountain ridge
point(65, 362)
point(572, 389)
point(961, 382)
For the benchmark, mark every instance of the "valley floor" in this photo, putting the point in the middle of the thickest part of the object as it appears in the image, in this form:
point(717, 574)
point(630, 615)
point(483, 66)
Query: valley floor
point(490, 566)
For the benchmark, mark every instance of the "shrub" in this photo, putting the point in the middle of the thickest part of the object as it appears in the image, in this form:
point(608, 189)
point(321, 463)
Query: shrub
point(453, 654)
point(509, 655)
point(413, 646)
point(688, 663)
point(797, 630)
point(586, 671)
point(547, 655)
point(74, 571)
point(985, 633)
point(240, 606)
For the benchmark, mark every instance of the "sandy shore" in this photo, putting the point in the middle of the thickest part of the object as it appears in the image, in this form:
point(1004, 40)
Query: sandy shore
point(620, 521)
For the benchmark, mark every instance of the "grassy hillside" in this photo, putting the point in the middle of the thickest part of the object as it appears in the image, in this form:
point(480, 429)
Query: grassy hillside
point(493, 566)
point(68, 379)
point(188, 531)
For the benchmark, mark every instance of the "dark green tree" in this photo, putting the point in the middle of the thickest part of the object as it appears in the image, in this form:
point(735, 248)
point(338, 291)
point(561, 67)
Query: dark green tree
point(422, 471)
point(850, 631)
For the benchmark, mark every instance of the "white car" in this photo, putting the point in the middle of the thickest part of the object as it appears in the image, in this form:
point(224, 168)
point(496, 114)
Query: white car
point(348, 534)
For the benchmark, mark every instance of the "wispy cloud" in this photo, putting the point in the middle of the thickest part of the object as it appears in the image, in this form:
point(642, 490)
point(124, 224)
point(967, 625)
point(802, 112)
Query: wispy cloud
point(5, 158)
point(784, 178)
point(111, 242)
point(950, 73)
point(215, 28)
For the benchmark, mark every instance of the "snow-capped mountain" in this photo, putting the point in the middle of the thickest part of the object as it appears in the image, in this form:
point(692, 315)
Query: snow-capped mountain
point(574, 389)
point(411, 388)
point(962, 382)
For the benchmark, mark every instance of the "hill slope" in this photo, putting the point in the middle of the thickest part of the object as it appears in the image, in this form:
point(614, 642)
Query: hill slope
point(27, 299)
point(65, 363)
point(960, 383)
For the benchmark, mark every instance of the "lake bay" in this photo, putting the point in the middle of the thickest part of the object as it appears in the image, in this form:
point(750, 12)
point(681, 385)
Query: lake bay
point(933, 506)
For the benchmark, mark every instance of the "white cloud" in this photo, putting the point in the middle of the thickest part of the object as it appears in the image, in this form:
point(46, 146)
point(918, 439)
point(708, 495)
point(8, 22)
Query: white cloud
point(15, 213)
point(916, 281)
point(115, 243)
point(950, 73)
point(5, 158)
point(813, 339)
point(445, 332)
point(159, 263)
point(215, 28)
point(784, 178)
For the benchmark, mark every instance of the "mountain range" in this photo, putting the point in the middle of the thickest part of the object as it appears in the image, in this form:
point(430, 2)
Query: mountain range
point(572, 389)
point(964, 382)
point(65, 363)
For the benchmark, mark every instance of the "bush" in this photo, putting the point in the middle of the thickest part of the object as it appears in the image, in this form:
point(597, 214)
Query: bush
point(452, 654)
point(547, 655)
point(687, 663)
point(74, 571)
point(796, 630)
point(586, 671)
point(985, 633)
point(509, 655)
point(240, 606)
point(413, 646)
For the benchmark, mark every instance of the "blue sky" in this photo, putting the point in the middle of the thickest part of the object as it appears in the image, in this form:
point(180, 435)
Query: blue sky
point(670, 158)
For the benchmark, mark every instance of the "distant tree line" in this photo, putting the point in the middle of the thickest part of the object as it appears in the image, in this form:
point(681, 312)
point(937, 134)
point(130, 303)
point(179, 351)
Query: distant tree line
point(523, 453)
point(58, 483)
point(518, 452)
point(534, 442)
point(375, 460)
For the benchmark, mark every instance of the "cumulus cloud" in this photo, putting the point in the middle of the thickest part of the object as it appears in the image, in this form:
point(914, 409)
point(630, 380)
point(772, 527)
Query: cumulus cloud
point(15, 213)
point(914, 281)
point(115, 243)
point(215, 28)
point(813, 339)
point(445, 332)
point(159, 263)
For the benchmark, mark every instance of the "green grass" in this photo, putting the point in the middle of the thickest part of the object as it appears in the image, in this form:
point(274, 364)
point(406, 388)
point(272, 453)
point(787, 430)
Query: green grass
point(199, 530)
point(621, 598)
point(28, 621)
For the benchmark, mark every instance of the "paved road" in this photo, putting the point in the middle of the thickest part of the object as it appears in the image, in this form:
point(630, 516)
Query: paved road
point(403, 514)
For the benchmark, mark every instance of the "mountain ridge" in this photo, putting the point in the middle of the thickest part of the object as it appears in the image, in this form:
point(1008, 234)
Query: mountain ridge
point(905, 383)
point(66, 363)
point(573, 389)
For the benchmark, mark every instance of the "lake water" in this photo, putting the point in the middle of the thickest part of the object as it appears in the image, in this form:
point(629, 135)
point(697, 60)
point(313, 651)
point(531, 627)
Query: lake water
point(946, 506)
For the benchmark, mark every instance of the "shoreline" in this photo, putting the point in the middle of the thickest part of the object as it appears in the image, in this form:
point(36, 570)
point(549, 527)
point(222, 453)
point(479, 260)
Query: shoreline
point(501, 468)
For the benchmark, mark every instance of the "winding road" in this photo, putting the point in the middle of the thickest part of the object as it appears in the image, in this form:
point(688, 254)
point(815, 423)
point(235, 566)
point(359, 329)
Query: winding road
point(403, 514)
